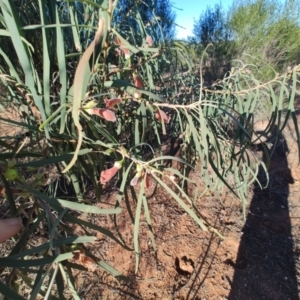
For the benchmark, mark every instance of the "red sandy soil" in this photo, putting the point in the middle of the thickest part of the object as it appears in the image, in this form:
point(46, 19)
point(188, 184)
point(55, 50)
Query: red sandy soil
point(258, 259)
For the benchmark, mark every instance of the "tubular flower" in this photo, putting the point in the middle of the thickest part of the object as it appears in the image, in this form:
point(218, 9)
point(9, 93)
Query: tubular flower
point(126, 52)
point(9, 228)
point(112, 102)
point(147, 179)
point(138, 82)
point(123, 48)
point(161, 116)
point(104, 113)
point(149, 40)
point(135, 179)
point(137, 176)
point(108, 174)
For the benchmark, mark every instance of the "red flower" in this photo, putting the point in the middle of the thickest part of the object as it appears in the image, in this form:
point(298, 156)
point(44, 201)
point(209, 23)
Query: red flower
point(112, 102)
point(138, 82)
point(104, 113)
point(147, 180)
point(108, 174)
point(161, 116)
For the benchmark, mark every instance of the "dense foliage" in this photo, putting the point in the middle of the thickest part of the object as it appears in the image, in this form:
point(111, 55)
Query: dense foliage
point(259, 32)
point(213, 39)
point(110, 102)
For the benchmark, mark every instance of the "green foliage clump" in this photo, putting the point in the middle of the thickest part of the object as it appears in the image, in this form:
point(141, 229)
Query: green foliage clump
point(259, 32)
point(101, 94)
point(266, 33)
point(213, 42)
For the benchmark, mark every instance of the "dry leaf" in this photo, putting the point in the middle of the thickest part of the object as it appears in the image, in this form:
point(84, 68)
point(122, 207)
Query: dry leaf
point(84, 260)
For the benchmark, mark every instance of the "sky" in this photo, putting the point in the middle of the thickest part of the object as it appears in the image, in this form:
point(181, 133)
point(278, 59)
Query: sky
point(190, 10)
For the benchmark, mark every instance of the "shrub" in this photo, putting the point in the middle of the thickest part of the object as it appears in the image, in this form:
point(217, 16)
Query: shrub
point(100, 101)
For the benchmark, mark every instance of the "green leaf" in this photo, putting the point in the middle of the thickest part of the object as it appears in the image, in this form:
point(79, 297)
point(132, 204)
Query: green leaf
point(9, 196)
point(13, 263)
point(52, 160)
point(89, 209)
point(181, 203)
point(55, 243)
point(60, 52)
point(106, 267)
point(137, 225)
point(23, 53)
point(148, 220)
point(22, 154)
point(67, 279)
point(10, 294)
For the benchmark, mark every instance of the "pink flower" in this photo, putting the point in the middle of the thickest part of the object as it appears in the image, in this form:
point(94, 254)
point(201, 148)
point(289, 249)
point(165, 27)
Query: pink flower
point(112, 102)
point(137, 176)
point(135, 180)
point(104, 113)
point(126, 52)
point(9, 228)
point(161, 116)
point(108, 174)
point(123, 48)
point(149, 40)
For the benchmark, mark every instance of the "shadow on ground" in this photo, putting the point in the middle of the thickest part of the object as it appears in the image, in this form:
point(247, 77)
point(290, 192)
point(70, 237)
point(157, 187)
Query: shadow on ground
point(265, 265)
